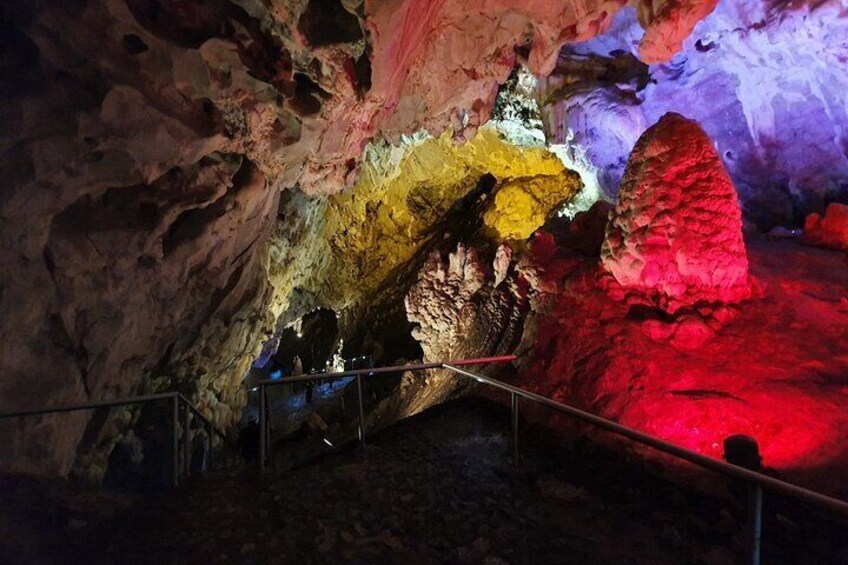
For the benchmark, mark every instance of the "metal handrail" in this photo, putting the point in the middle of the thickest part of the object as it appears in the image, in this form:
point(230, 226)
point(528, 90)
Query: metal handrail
point(176, 399)
point(699, 459)
point(90, 405)
point(379, 370)
point(756, 481)
point(264, 421)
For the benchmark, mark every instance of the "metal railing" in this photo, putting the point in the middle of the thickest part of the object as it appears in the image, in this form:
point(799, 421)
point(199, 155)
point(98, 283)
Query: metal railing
point(755, 481)
point(179, 404)
point(264, 421)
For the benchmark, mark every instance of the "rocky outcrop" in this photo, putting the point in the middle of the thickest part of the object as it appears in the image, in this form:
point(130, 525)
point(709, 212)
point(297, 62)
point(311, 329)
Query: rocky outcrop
point(667, 24)
point(405, 195)
point(462, 309)
point(696, 378)
point(675, 236)
point(521, 206)
point(830, 230)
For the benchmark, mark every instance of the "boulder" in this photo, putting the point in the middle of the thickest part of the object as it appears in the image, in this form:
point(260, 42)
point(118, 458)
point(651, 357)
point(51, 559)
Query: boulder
point(830, 230)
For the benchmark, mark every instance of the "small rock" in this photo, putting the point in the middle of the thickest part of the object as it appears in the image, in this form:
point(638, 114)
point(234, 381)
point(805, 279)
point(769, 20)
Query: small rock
point(669, 536)
point(76, 524)
point(473, 553)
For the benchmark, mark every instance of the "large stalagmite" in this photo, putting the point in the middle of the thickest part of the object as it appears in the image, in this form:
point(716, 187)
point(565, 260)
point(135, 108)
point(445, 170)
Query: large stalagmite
point(675, 236)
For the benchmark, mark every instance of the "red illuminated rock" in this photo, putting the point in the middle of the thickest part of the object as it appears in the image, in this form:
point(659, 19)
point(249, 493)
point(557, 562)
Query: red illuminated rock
point(771, 369)
point(830, 230)
point(675, 237)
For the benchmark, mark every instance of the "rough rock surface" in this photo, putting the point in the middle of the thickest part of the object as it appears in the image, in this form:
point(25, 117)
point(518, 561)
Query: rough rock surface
point(764, 79)
point(667, 24)
point(119, 112)
point(830, 230)
point(675, 236)
point(146, 242)
point(773, 368)
point(462, 310)
point(404, 194)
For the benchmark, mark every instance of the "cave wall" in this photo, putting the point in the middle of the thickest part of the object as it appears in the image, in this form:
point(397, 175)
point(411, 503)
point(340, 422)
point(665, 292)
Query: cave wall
point(766, 81)
point(145, 146)
point(172, 171)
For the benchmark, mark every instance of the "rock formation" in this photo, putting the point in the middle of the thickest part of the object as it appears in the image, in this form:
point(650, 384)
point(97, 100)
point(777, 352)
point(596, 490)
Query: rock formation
point(675, 236)
point(830, 230)
point(145, 148)
point(184, 178)
point(462, 309)
point(764, 80)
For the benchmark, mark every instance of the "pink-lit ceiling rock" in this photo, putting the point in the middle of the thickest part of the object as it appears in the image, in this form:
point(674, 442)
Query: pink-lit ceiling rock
point(675, 236)
point(667, 24)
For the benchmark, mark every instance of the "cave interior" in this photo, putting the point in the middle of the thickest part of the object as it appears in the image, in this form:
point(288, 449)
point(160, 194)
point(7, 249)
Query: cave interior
point(643, 205)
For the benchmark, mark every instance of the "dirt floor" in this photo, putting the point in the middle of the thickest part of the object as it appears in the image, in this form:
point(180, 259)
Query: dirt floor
point(436, 488)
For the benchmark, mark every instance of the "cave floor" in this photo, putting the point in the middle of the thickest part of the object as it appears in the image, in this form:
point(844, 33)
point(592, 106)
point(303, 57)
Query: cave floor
point(436, 488)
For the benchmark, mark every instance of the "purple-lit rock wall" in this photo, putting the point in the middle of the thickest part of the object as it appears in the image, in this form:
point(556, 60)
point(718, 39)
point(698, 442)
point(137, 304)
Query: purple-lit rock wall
point(767, 82)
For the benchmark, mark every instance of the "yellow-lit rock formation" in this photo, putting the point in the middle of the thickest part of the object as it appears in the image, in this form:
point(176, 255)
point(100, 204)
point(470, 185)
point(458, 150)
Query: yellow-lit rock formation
point(385, 218)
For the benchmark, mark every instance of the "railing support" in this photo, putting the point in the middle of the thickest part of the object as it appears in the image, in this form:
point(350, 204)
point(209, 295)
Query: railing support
point(175, 440)
point(755, 521)
point(263, 427)
point(361, 424)
point(208, 447)
point(743, 451)
point(174, 398)
point(514, 429)
point(186, 440)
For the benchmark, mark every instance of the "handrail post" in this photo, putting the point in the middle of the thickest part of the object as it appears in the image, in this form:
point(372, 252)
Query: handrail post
point(361, 424)
point(175, 440)
point(209, 446)
point(514, 434)
point(263, 430)
point(743, 451)
point(186, 439)
point(755, 521)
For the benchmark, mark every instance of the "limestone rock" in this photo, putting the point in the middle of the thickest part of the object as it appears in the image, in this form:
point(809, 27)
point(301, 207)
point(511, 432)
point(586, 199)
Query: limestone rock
point(675, 237)
point(145, 147)
point(667, 23)
point(458, 311)
point(522, 205)
point(830, 230)
point(784, 153)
